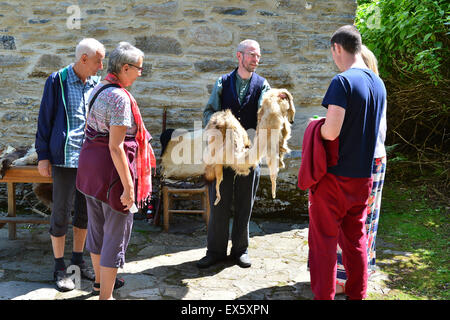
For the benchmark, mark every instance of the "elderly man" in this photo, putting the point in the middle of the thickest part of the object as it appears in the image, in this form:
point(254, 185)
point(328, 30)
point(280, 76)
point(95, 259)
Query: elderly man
point(59, 137)
point(241, 91)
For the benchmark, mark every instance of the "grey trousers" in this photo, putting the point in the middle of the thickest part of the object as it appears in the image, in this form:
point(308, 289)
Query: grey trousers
point(109, 233)
point(240, 191)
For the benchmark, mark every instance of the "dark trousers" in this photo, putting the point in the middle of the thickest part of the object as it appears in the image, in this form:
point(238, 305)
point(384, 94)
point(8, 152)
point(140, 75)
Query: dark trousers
point(337, 215)
point(240, 191)
point(65, 198)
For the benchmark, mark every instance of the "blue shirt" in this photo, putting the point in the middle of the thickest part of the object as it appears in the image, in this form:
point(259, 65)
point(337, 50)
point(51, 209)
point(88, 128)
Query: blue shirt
point(77, 106)
point(362, 94)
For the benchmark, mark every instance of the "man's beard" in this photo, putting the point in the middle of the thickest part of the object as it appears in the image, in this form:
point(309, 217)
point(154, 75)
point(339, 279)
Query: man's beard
point(249, 68)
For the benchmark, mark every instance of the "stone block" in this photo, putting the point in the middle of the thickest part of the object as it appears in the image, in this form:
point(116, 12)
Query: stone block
point(212, 35)
point(147, 71)
point(278, 78)
point(7, 42)
point(156, 11)
point(215, 66)
point(46, 64)
point(12, 61)
point(49, 61)
point(235, 11)
point(159, 45)
point(38, 21)
point(194, 13)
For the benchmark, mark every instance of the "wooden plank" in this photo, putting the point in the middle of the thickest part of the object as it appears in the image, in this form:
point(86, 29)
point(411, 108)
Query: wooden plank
point(25, 174)
point(187, 211)
point(190, 191)
point(11, 210)
point(166, 209)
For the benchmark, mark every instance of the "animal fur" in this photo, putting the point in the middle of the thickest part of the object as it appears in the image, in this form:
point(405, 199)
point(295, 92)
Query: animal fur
point(44, 193)
point(275, 117)
point(181, 155)
point(30, 158)
point(24, 156)
point(273, 130)
point(8, 156)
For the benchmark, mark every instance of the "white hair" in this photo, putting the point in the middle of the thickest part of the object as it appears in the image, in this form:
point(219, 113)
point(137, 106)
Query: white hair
point(124, 53)
point(88, 46)
point(245, 44)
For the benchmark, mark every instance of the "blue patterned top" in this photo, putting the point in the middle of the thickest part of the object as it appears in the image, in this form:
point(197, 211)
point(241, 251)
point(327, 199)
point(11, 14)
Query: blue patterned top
point(77, 106)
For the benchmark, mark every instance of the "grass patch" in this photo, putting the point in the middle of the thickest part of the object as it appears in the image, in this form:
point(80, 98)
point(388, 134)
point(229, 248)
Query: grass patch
point(414, 243)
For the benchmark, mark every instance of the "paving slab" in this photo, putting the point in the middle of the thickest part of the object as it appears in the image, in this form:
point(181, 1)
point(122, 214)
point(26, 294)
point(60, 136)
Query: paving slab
point(162, 266)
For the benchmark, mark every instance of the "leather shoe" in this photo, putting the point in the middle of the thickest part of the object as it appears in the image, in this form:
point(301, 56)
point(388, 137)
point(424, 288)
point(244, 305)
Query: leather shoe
point(63, 281)
point(243, 261)
point(207, 261)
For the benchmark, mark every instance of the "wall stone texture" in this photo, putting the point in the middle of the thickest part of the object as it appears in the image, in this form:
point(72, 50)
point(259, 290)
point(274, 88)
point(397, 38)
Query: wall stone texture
point(187, 43)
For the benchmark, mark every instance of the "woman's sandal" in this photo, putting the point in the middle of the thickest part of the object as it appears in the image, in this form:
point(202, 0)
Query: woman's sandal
point(119, 283)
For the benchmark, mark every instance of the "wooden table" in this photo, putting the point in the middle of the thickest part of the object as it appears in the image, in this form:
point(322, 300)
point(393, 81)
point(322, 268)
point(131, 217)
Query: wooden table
point(23, 174)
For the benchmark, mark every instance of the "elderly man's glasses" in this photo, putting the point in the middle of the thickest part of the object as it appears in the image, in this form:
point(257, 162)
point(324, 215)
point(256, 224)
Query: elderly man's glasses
point(139, 68)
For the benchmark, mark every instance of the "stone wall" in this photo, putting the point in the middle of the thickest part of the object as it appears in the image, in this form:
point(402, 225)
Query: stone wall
point(188, 44)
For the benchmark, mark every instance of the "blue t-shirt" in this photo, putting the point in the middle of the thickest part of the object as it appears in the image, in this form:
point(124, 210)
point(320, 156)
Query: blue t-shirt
point(362, 94)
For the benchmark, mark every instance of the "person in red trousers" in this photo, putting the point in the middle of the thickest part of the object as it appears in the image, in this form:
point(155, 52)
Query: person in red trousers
point(338, 201)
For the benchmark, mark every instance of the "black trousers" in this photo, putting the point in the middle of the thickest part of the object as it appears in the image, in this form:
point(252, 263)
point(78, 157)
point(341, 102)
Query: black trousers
point(65, 198)
point(240, 191)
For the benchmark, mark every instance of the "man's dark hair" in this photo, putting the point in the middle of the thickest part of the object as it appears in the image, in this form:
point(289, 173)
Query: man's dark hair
point(349, 38)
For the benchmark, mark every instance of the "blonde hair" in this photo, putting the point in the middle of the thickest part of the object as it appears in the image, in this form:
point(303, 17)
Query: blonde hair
point(369, 59)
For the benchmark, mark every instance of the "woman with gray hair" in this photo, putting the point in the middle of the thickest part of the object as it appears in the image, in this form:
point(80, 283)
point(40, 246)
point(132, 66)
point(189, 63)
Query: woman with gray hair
point(115, 162)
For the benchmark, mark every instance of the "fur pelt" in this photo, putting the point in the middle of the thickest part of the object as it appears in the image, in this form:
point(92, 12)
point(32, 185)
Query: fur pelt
point(23, 156)
point(273, 130)
point(44, 193)
point(8, 156)
point(182, 154)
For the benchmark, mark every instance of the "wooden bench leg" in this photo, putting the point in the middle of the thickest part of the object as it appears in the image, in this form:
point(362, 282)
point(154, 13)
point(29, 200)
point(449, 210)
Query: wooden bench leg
point(166, 208)
point(11, 210)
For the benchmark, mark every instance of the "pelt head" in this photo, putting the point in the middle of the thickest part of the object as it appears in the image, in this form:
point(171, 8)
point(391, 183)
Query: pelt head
point(8, 157)
point(277, 102)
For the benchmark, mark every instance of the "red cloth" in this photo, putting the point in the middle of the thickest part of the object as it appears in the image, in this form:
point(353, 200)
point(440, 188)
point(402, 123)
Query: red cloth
point(145, 159)
point(317, 155)
point(337, 215)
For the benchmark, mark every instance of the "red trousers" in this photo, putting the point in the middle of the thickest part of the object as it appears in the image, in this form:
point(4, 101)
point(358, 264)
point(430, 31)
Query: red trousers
point(337, 214)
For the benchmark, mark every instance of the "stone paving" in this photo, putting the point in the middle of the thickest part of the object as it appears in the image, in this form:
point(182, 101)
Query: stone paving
point(161, 265)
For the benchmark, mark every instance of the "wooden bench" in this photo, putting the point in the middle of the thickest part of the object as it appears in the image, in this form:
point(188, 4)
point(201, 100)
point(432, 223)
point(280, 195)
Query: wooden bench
point(23, 174)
